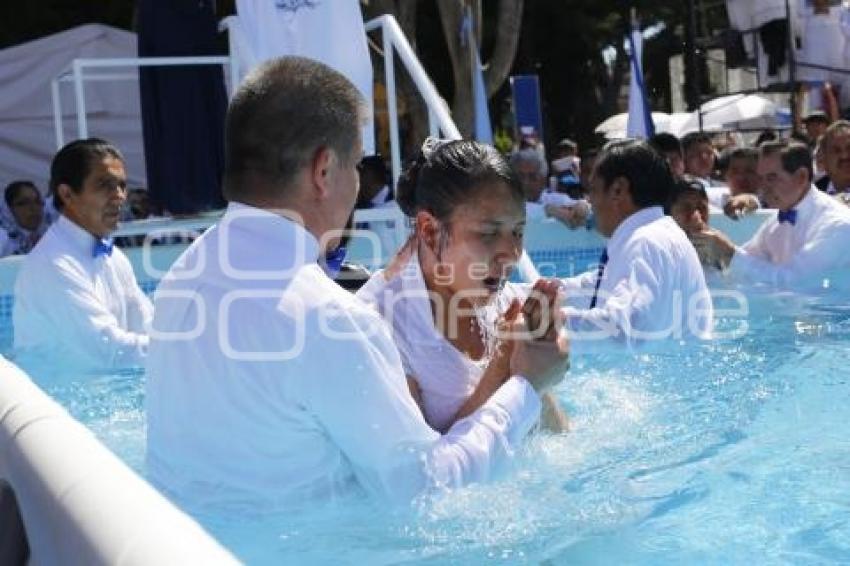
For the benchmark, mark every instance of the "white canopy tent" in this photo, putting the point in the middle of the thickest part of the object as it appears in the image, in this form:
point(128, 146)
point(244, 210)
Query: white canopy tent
point(732, 112)
point(27, 138)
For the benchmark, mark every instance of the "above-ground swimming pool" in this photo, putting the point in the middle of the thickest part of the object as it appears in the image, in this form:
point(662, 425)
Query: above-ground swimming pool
point(735, 451)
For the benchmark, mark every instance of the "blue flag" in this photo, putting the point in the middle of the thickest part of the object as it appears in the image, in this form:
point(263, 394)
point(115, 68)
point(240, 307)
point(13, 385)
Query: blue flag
point(482, 131)
point(640, 123)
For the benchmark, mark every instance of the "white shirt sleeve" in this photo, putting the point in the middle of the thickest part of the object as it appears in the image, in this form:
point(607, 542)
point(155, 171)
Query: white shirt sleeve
point(139, 306)
point(755, 246)
point(630, 313)
point(586, 280)
point(95, 331)
point(821, 252)
point(363, 402)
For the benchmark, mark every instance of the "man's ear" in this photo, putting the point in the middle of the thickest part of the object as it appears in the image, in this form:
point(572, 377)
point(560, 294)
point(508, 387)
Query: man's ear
point(619, 188)
point(801, 176)
point(63, 193)
point(320, 170)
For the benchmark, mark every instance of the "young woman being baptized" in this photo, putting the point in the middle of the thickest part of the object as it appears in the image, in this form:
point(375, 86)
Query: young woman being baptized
point(445, 294)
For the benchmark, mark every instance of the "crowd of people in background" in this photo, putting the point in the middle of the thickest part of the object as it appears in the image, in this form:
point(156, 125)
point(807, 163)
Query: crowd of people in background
point(715, 173)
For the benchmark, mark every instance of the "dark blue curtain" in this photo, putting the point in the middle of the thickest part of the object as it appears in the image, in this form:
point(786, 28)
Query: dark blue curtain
point(182, 107)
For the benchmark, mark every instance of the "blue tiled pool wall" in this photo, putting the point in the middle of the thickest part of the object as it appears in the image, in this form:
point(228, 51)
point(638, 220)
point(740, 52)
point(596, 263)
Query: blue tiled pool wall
point(564, 262)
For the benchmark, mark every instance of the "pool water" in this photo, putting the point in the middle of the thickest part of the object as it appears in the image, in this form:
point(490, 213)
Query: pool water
point(735, 451)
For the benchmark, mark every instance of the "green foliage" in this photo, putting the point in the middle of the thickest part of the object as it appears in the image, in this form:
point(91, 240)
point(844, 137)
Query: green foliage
point(503, 141)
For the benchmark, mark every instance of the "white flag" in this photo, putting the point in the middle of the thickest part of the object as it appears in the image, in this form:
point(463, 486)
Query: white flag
point(330, 31)
point(640, 123)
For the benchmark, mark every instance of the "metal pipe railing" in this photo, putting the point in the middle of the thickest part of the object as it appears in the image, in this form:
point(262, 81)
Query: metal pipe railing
point(77, 76)
point(439, 118)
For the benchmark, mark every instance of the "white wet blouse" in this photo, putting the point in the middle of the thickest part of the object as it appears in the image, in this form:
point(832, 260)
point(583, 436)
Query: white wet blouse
point(446, 377)
point(86, 311)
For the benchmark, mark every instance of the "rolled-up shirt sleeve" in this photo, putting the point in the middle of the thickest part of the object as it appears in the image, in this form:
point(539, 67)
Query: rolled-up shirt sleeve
point(362, 401)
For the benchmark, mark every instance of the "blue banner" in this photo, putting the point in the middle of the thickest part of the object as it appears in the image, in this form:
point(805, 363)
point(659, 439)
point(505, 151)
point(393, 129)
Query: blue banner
point(528, 118)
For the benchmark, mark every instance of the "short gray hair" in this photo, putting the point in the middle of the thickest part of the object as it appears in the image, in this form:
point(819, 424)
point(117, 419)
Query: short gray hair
point(834, 129)
point(283, 112)
point(530, 155)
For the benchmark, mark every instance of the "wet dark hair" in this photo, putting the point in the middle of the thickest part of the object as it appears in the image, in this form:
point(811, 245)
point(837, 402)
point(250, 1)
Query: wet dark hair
point(793, 155)
point(282, 114)
point(650, 180)
point(14, 188)
point(74, 162)
point(444, 175)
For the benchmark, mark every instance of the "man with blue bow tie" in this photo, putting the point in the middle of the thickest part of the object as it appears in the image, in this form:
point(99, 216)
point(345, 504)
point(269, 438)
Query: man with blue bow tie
point(806, 239)
point(76, 298)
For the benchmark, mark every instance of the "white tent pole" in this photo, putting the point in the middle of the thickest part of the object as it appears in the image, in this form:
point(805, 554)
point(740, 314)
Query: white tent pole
point(79, 94)
point(420, 78)
point(57, 113)
point(392, 108)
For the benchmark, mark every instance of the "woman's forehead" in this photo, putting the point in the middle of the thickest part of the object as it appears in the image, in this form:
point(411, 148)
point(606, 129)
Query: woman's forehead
point(493, 201)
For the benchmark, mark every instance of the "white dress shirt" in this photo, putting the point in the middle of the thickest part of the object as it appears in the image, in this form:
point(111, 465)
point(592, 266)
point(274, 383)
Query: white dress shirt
point(268, 383)
point(797, 255)
point(85, 311)
point(445, 376)
point(652, 288)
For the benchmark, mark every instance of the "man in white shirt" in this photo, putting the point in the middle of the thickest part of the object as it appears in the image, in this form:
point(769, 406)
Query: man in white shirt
point(267, 382)
point(804, 241)
point(649, 285)
point(835, 145)
point(530, 167)
point(76, 297)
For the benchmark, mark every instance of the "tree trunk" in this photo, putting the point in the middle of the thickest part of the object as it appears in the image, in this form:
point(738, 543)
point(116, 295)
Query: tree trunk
point(496, 69)
point(508, 25)
point(412, 110)
point(451, 17)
